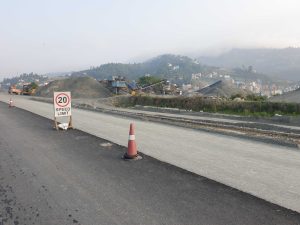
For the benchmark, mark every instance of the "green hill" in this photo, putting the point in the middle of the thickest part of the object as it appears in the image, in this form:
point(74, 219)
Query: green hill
point(164, 66)
point(177, 69)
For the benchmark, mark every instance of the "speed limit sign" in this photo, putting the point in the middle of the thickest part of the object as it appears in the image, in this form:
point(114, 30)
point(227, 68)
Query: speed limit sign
point(62, 104)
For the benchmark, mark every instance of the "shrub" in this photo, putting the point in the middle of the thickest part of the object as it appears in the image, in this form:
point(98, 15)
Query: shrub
point(261, 108)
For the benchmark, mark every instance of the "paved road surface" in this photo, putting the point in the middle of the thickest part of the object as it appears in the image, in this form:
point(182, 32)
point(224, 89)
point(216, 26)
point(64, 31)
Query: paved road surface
point(268, 171)
point(49, 177)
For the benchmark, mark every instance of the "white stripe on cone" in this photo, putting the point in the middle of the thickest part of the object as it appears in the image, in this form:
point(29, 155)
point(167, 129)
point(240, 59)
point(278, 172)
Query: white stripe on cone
point(131, 137)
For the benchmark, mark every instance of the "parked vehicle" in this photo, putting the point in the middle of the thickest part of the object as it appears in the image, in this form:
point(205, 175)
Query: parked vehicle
point(29, 89)
point(14, 90)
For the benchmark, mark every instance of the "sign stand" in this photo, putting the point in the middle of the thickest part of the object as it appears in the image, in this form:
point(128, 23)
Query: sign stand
point(62, 108)
point(70, 123)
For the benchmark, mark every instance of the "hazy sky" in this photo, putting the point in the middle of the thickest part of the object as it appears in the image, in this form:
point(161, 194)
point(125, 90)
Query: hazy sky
point(63, 35)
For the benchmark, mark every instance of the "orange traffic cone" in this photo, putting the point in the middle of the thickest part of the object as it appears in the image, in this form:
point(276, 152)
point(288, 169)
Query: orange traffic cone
point(10, 103)
point(132, 152)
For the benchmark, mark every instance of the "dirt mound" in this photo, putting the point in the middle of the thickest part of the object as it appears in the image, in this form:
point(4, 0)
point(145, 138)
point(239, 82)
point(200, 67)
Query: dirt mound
point(222, 89)
point(80, 87)
point(292, 96)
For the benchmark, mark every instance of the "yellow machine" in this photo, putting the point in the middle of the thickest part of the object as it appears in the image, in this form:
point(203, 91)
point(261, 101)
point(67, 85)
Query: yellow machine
point(29, 89)
point(14, 90)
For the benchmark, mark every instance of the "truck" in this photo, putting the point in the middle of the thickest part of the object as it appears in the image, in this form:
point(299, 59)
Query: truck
point(14, 90)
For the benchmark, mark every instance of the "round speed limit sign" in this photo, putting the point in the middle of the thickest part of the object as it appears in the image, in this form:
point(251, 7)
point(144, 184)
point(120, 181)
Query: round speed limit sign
point(62, 100)
point(62, 104)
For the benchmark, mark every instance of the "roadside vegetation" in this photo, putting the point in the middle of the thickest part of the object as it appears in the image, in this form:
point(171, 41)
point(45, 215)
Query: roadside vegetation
point(250, 97)
point(252, 107)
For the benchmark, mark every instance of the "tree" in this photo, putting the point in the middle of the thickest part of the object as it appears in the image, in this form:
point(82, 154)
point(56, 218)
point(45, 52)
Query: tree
point(148, 80)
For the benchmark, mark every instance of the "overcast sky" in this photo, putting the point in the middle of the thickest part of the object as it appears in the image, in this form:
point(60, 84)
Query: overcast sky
point(64, 35)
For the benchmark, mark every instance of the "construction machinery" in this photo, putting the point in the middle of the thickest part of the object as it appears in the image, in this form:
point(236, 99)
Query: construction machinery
point(29, 89)
point(134, 88)
point(14, 90)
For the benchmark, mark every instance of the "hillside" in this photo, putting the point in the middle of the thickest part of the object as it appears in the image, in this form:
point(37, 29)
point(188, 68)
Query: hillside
point(177, 69)
point(80, 87)
point(221, 89)
point(164, 66)
point(278, 63)
point(293, 96)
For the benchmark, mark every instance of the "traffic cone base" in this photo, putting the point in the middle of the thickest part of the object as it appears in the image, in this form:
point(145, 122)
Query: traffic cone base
point(130, 157)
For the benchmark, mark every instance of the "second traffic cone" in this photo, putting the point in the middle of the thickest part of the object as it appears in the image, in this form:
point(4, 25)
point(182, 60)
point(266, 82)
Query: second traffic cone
point(132, 152)
point(10, 103)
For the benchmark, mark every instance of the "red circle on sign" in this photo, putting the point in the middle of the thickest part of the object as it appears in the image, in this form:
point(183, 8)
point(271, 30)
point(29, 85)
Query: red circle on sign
point(62, 95)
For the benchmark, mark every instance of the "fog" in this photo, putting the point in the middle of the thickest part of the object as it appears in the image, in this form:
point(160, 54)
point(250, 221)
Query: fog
point(49, 36)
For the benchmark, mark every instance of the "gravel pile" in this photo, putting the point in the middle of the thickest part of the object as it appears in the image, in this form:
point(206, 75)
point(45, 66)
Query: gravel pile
point(222, 89)
point(292, 96)
point(80, 87)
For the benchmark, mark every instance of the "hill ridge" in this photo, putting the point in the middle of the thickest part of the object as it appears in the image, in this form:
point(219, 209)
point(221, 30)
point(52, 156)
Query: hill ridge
point(283, 63)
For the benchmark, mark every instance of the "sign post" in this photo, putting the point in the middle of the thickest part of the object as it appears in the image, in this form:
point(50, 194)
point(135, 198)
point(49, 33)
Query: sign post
point(62, 107)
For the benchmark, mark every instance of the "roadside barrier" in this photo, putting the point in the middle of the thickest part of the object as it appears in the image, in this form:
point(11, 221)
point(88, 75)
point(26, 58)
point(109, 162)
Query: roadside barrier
point(132, 153)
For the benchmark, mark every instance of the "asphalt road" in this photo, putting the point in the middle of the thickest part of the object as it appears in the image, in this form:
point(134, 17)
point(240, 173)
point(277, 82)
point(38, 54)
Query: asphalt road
point(50, 177)
point(267, 171)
